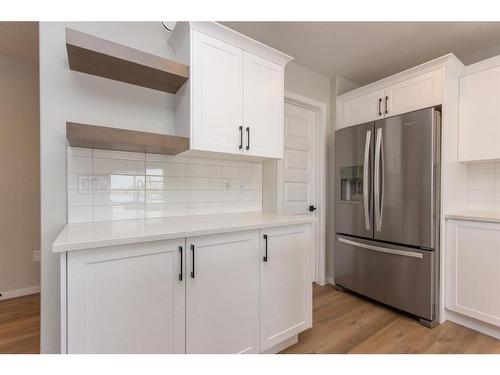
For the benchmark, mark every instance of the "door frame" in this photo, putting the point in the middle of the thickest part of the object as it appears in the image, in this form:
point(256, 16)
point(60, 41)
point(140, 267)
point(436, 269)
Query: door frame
point(319, 256)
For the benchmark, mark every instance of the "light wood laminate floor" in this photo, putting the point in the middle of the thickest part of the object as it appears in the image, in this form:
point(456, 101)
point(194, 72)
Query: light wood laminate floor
point(343, 323)
point(20, 325)
point(346, 323)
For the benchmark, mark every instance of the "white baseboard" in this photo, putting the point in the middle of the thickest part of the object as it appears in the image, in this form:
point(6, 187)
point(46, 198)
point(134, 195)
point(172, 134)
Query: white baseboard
point(19, 292)
point(329, 280)
point(476, 325)
point(282, 345)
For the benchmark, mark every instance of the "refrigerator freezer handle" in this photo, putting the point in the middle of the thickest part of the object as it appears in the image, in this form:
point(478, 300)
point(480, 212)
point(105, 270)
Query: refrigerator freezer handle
point(376, 184)
point(366, 185)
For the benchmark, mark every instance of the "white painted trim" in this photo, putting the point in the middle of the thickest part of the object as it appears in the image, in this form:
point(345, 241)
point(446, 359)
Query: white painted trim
point(321, 139)
point(330, 280)
point(490, 63)
point(476, 325)
point(450, 61)
point(64, 304)
point(20, 292)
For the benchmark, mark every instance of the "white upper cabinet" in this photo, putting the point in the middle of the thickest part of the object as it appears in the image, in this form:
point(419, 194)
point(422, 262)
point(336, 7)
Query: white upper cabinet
point(263, 107)
point(217, 84)
point(479, 118)
point(234, 99)
point(419, 92)
point(402, 93)
point(361, 109)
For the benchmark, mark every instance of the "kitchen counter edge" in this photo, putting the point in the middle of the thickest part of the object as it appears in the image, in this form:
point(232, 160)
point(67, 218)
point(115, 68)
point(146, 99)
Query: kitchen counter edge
point(83, 236)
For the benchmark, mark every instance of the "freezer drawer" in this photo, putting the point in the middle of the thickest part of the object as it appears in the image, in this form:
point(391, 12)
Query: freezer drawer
point(398, 276)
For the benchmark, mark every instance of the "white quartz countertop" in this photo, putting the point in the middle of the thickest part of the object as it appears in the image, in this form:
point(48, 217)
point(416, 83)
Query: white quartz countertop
point(488, 216)
point(80, 236)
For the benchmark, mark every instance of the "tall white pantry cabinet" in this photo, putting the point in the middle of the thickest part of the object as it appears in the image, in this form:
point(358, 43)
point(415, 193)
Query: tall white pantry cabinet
point(237, 292)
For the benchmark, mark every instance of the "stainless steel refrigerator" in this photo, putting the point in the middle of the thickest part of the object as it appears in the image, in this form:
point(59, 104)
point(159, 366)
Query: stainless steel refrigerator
point(387, 211)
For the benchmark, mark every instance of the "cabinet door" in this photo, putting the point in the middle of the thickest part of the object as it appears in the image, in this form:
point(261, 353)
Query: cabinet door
point(479, 118)
point(361, 109)
point(472, 270)
point(217, 95)
point(263, 107)
point(285, 284)
point(222, 300)
point(126, 299)
point(412, 94)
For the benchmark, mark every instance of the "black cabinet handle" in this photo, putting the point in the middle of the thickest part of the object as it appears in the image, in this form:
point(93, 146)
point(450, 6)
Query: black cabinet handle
point(192, 264)
point(312, 208)
point(241, 137)
point(248, 138)
point(380, 106)
point(386, 105)
point(265, 256)
point(180, 273)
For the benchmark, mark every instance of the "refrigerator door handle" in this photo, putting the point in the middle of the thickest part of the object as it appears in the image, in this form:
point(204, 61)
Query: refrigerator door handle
point(366, 185)
point(376, 187)
point(381, 249)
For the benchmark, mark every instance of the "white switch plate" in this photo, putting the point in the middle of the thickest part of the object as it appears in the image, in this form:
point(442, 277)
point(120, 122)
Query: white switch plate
point(36, 256)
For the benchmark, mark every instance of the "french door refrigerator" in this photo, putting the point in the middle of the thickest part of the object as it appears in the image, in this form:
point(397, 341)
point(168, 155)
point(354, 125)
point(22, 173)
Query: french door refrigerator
point(387, 211)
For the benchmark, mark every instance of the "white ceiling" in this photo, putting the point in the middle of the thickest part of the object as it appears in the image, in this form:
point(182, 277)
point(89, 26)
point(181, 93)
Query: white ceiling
point(19, 41)
point(364, 52)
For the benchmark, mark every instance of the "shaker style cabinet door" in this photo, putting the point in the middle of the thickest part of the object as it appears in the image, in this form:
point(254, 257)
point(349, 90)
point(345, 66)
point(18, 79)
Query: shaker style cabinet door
point(472, 269)
point(479, 116)
point(217, 95)
point(361, 109)
point(126, 299)
point(263, 107)
point(416, 93)
point(222, 293)
point(285, 284)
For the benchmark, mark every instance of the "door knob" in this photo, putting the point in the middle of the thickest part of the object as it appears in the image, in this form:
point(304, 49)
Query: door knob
point(312, 208)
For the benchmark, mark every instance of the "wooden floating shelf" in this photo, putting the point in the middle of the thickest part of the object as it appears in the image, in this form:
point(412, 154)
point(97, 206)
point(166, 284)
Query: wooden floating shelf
point(100, 57)
point(105, 138)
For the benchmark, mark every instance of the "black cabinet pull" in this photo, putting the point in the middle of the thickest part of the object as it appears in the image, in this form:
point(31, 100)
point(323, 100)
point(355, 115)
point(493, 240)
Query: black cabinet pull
point(180, 273)
point(248, 138)
point(192, 264)
point(386, 105)
point(265, 256)
point(380, 106)
point(241, 137)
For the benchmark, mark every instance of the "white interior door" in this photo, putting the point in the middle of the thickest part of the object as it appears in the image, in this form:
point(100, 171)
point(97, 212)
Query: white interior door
point(299, 166)
point(299, 161)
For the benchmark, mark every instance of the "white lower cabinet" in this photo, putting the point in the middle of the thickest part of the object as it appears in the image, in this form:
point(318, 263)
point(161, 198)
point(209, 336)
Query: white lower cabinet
point(239, 292)
point(285, 284)
point(126, 299)
point(222, 295)
point(473, 269)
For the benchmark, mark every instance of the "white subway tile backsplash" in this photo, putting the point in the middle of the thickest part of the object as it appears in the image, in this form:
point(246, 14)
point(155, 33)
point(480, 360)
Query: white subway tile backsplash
point(118, 197)
point(119, 212)
point(166, 183)
point(200, 170)
point(204, 208)
point(79, 214)
point(483, 187)
point(166, 210)
point(120, 155)
point(154, 168)
point(136, 185)
point(118, 166)
point(79, 164)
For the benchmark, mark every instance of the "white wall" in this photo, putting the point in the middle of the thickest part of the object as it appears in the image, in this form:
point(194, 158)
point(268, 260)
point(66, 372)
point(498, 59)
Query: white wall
point(19, 180)
point(66, 95)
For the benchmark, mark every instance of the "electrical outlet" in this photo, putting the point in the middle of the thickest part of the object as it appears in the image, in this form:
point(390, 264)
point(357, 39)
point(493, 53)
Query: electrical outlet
point(227, 186)
point(36, 256)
